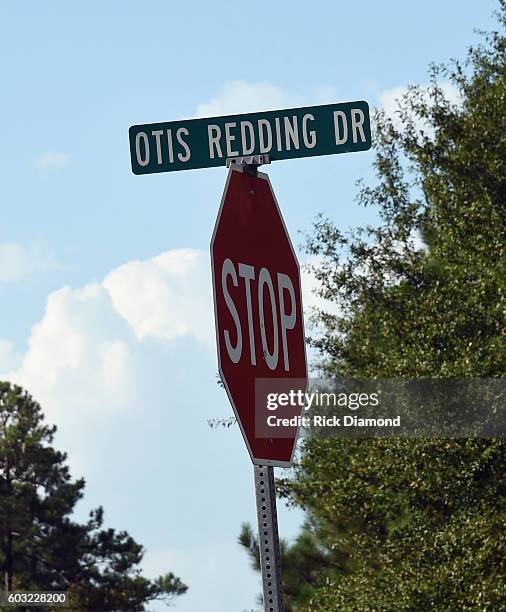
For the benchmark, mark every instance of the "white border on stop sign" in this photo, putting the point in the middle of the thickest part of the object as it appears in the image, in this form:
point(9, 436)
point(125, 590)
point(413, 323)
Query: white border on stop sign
point(265, 177)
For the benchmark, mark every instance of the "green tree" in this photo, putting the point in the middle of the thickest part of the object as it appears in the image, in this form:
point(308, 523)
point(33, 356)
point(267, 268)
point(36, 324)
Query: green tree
point(415, 524)
point(306, 565)
point(41, 547)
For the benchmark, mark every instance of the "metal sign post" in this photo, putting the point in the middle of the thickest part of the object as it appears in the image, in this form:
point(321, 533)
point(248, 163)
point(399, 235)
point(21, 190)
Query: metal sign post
point(268, 539)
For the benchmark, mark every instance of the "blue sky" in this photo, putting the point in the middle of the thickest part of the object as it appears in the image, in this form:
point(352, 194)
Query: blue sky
point(106, 312)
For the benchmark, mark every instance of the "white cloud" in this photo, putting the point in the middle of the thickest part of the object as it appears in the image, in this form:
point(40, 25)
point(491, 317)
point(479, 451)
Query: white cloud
point(69, 358)
point(242, 97)
point(49, 161)
point(416, 241)
point(313, 303)
point(17, 261)
point(389, 99)
point(8, 357)
point(85, 358)
point(325, 94)
point(165, 297)
point(310, 285)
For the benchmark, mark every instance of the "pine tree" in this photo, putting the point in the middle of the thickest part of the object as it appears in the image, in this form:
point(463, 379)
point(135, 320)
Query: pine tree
point(41, 546)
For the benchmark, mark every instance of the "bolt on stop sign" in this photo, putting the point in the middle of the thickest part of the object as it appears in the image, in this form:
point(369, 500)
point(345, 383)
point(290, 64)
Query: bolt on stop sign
point(258, 310)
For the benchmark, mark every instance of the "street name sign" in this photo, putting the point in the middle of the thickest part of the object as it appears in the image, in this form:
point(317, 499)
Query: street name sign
point(281, 134)
point(258, 306)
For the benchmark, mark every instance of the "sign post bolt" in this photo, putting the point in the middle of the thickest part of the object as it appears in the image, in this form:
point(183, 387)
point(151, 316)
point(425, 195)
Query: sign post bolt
point(268, 539)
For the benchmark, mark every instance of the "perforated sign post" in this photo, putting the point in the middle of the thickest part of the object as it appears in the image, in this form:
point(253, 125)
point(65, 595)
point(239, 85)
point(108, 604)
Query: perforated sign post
point(256, 278)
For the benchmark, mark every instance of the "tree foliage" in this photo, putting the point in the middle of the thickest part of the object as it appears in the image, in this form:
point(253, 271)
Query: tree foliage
point(415, 524)
point(41, 546)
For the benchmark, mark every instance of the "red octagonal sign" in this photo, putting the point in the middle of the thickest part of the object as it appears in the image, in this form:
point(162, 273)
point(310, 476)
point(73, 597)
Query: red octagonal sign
point(259, 317)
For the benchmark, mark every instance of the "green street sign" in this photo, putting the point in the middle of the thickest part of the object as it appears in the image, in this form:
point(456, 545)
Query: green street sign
point(281, 134)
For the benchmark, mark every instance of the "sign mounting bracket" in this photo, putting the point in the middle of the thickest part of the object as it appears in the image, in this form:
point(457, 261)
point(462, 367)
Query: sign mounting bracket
point(250, 163)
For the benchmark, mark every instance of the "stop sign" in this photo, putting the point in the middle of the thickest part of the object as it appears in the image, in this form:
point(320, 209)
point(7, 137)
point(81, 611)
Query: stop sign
point(258, 311)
